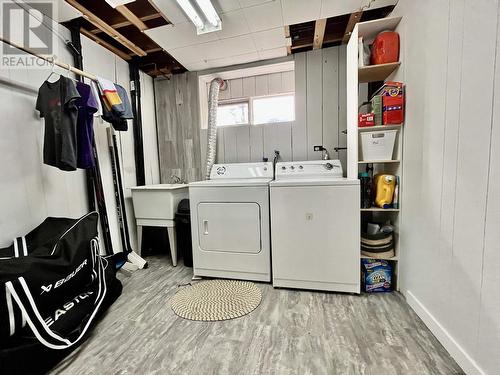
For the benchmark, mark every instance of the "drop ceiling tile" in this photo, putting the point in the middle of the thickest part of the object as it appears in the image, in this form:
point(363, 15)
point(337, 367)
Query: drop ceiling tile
point(269, 39)
point(233, 24)
point(179, 35)
point(224, 6)
point(297, 11)
point(198, 52)
point(265, 16)
point(335, 8)
point(251, 3)
point(382, 3)
point(197, 66)
point(272, 53)
point(236, 46)
point(171, 10)
point(218, 49)
point(233, 60)
point(66, 12)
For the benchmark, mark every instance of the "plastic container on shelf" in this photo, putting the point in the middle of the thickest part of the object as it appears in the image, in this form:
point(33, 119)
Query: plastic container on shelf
point(378, 145)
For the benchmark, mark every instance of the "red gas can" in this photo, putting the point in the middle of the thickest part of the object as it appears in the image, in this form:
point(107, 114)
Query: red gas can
point(385, 48)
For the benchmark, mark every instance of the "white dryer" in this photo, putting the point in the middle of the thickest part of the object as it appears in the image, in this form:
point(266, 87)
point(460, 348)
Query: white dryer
point(315, 227)
point(230, 222)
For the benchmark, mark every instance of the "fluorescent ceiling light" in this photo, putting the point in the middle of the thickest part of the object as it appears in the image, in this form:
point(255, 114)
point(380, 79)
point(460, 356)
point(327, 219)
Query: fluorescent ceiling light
point(191, 13)
point(210, 21)
point(115, 3)
point(209, 11)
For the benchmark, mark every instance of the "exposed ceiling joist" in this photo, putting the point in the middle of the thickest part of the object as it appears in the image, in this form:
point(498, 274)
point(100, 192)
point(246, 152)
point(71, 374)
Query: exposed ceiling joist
point(128, 23)
point(158, 10)
point(353, 20)
point(305, 45)
point(289, 44)
point(131, 17)
point(319, 33)
point(99, 23)
point(105, 44)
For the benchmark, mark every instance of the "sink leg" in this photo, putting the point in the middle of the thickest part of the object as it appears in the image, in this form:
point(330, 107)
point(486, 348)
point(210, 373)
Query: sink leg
point(139, 239)
point(173, 244)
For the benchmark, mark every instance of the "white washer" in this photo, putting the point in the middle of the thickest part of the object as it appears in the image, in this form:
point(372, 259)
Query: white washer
point(315, 227)
point(230, 222)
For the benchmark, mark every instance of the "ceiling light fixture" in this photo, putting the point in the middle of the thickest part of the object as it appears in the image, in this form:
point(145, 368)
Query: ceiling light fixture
point(209, 11)
point(211, 21)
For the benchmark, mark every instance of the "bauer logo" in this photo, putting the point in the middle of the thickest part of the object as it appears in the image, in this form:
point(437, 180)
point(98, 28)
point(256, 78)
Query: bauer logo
point(31, 25)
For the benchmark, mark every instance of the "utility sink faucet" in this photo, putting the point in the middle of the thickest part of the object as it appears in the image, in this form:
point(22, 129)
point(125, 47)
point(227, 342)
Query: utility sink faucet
point(177, 180)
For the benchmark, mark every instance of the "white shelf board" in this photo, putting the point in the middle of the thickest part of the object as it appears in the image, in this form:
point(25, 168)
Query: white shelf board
point(375, 73)
point(377, 161)
point(379, 127)
point(395, 258)
point(378, 209)
point(370, 29)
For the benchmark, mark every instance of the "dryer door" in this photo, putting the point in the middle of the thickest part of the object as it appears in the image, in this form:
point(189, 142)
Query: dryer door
point(229, 227)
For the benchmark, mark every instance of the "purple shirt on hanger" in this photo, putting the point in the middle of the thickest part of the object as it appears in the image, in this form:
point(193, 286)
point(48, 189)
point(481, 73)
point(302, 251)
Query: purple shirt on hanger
point(87, 106)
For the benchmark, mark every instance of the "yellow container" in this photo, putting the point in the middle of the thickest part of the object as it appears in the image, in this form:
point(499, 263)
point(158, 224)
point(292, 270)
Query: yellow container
point(384, 188)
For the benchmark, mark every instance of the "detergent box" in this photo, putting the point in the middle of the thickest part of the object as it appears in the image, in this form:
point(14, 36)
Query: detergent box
point(376, 275)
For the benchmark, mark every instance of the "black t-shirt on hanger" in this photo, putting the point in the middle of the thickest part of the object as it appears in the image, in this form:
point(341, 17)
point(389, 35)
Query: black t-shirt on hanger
point(56, 103)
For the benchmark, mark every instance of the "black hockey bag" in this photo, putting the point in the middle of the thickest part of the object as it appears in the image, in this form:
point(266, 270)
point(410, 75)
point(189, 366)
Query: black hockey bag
point(54, 284)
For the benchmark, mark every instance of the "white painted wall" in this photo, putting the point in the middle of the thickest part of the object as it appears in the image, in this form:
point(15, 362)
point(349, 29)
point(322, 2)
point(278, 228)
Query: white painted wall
point(29, 190)
point(451, 215)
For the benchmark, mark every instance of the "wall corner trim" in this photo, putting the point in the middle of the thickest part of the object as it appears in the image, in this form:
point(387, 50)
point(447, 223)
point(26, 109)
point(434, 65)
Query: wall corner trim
point(464, 360)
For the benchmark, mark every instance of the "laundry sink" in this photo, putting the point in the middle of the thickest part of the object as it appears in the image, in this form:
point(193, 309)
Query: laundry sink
point(158, 202)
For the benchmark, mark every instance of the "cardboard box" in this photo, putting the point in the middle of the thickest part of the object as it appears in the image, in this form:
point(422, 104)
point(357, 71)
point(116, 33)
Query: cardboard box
point(393, 99)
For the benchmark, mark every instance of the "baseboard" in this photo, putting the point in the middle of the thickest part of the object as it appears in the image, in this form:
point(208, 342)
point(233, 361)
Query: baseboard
point(463, 359)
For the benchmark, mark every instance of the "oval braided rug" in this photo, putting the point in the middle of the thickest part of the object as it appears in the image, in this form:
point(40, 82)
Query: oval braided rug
point(213, 300)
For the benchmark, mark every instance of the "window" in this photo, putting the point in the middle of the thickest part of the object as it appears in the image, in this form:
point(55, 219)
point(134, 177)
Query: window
point(273, 109)
point(256, 111)
point(232, 114)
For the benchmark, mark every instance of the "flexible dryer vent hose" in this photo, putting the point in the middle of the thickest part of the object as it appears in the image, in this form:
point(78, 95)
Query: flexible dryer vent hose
point(213, 101)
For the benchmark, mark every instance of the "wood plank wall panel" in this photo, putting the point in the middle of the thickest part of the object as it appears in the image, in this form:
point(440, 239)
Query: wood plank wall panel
point(330, 99)
point(342, 105)
point(299, 130)
point(319, 78)
point(488, 345)
point(178, 127)
point(239, 144)
point(256, 142)
point(450, 220)
point(314, 100)
point(472, 176)
point(320, 88)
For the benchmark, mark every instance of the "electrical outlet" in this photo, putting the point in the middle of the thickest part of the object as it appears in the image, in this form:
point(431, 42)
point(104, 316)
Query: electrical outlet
point(318, 148)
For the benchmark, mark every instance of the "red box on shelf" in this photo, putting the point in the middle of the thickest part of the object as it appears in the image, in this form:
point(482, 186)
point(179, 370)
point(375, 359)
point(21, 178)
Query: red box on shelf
point(366, 119)
point(393, 100)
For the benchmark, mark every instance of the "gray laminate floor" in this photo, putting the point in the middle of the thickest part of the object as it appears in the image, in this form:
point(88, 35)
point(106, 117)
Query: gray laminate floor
point(291, 332)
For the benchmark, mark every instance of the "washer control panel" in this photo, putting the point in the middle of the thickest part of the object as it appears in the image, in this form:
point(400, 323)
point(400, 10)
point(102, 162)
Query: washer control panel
point(308, 169)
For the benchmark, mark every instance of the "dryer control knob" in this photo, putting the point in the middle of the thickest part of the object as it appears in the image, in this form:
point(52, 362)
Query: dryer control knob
point(292, 167)
point(329, 166)
point(283, 167)
point(301, 167)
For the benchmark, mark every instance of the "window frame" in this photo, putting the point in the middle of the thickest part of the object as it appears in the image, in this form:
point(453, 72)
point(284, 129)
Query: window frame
point(252, 98)
point(237, 101)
